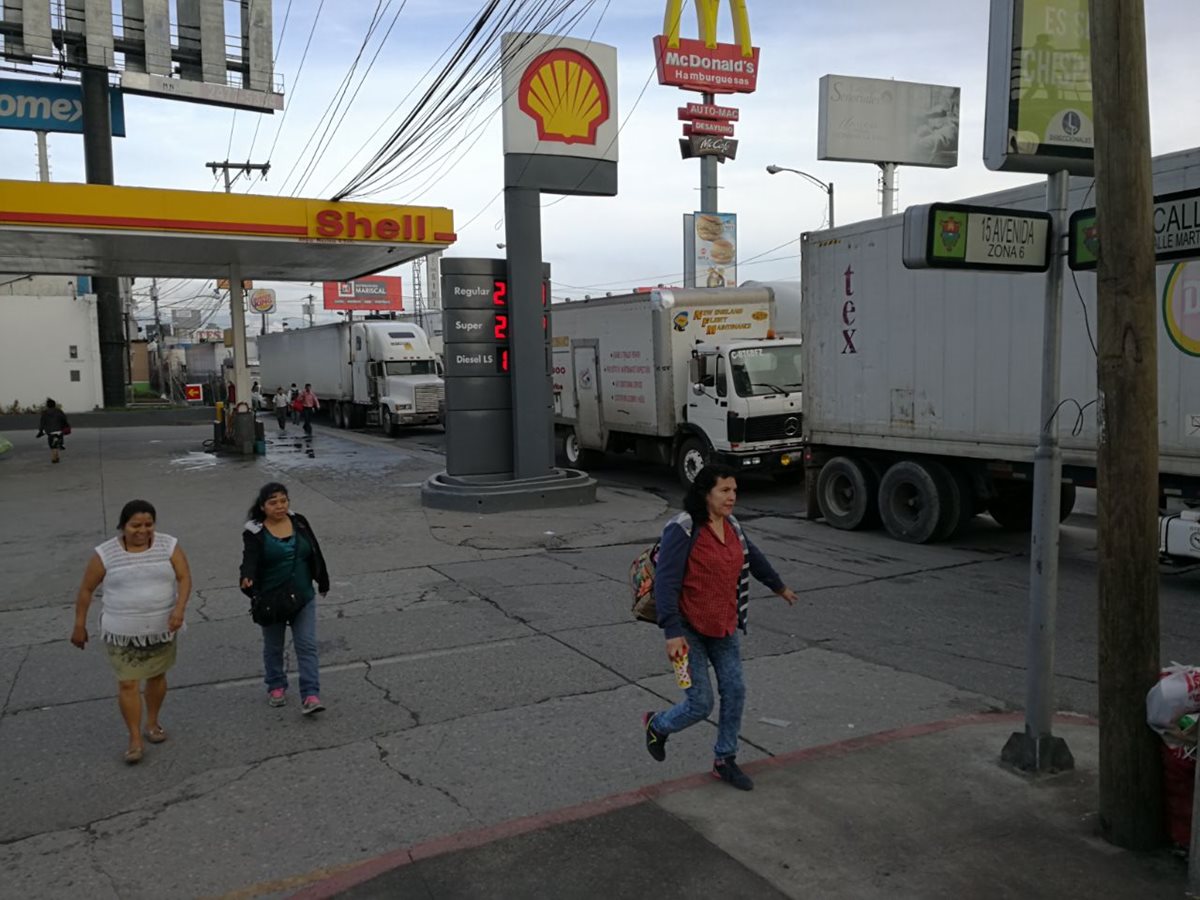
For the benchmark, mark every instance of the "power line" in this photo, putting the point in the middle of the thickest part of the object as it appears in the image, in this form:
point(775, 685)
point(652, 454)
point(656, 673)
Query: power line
point(296, 82)
point(274, 65)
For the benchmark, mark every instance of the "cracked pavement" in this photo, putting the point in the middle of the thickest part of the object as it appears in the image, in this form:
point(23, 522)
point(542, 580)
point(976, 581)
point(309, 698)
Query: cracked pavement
point(476, 669)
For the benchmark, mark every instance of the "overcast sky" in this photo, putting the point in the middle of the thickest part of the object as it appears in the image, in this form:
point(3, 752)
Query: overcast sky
point(634, 238)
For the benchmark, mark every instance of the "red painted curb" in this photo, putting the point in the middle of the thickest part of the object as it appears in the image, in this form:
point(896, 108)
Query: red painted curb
point(467, 840)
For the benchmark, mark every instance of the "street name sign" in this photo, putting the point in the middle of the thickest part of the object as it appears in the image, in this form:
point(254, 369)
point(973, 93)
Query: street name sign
point(957, 236)
point(1176, 231)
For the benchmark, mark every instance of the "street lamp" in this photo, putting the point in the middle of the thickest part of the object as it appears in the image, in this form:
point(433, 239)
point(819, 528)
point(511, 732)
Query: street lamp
point(826, 187)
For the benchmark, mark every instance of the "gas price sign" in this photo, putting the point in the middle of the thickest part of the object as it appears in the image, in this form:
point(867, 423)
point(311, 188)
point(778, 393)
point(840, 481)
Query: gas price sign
point(477, 329)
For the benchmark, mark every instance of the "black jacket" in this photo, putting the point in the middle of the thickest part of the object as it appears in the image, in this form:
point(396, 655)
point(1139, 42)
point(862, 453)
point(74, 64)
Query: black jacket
point(252, 547)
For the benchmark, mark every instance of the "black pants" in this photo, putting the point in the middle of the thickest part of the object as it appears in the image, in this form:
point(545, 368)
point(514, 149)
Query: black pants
point(281, 416)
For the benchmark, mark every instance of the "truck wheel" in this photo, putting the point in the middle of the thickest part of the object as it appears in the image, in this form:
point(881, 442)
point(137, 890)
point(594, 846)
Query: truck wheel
point(387, 422)
point(953, 501)
point(1012, 507)
point(571, 454)
point(911, 501)
point(691, 458)
point(846, 493)
point(1066, 501)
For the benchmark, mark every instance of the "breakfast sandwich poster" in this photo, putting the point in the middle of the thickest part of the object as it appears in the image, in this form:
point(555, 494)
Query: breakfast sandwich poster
point(715, 249)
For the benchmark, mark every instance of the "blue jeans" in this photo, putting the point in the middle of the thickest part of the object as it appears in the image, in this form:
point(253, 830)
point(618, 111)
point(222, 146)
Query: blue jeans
point(726, 658)
point(304, 642)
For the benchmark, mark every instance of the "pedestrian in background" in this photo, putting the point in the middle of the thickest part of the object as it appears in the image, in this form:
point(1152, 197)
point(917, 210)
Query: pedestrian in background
point(311, 404)
point(279, 545)
point(256, 397)
point(701, 593)
point(281, 408)
point(146, 588)
point(55, 426)
point(294, 403)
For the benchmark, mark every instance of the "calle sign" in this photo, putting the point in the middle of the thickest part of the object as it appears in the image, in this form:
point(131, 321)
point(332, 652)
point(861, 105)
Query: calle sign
point(1176, 231)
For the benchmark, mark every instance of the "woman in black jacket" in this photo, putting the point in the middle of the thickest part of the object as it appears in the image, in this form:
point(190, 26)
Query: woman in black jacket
point(279, 546)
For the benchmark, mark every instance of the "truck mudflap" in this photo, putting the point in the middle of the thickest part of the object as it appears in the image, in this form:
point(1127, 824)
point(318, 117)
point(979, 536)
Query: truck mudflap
point(771, 462)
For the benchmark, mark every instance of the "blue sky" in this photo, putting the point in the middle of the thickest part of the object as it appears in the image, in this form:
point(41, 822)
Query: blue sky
point(598, 244)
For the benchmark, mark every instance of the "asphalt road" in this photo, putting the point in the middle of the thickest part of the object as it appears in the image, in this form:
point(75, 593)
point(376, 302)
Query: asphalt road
point(477, 668)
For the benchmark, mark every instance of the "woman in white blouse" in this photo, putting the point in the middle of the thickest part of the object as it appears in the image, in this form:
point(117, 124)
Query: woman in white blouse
point(146, 587)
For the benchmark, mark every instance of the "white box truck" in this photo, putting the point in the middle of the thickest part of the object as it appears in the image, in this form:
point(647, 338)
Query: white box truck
point(923, 387)
point(679, 377)
point(375, 372)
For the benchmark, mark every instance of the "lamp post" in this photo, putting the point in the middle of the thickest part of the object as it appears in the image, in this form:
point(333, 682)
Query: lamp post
point(827, 187)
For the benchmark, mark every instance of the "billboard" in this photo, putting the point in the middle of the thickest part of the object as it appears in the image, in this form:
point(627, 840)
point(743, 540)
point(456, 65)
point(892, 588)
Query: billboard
point(707, 65)
point(560, 97)
point(381, 293)
point(52, 106)
point(1039, 87)
point(879, 121)
point(710, 250)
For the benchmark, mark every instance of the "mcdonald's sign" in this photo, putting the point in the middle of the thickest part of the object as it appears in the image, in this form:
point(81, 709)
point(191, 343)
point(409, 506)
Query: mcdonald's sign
point(706, 64)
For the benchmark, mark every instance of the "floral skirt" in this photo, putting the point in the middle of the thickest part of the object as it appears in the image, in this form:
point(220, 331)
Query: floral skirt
point(140, 663)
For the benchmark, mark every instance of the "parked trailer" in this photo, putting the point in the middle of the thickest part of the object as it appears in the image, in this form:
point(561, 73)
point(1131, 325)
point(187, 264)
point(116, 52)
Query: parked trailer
point(679, 377)
point(923, 388)
point(375, 372)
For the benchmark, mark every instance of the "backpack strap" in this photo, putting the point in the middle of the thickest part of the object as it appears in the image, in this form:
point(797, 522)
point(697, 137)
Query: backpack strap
point(743, 593)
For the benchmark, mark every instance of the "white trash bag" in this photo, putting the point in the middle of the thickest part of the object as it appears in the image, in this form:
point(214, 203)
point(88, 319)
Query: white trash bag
point(1176, 694)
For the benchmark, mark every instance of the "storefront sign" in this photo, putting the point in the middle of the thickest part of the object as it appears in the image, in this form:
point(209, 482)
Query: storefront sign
point(703, 145)
point(708, 111)
point(263, 301)
point(705, 126)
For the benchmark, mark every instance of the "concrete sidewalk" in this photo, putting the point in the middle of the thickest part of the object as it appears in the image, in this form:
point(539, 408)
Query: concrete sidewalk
point(922, 811)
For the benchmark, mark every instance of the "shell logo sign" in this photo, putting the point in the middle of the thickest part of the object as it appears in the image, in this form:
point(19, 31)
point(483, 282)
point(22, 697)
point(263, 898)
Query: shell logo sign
point(560, 97)
point(565, 94)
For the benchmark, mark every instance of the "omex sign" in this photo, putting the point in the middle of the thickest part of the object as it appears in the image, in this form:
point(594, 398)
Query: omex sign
point(707, 65)
point(51, 106)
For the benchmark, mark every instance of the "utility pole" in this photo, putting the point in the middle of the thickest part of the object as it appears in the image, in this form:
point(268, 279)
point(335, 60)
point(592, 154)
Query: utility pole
point(708, 168)
point(1131, 801)
point(242, 169)
point(164, 386)
point(308, 308)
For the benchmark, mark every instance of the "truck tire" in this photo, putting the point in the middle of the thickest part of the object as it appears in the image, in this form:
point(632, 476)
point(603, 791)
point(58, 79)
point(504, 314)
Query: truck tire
point(690, 459)
point(847, 494)
point(573, 456)
point(1012, 507)
point(953, 501)
point(911, 501)
point(1066, 501)
point(390, 428)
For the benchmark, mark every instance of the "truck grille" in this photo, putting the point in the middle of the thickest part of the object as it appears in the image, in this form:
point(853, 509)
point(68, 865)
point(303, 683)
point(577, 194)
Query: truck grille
point(786, 427)
point(429, 398)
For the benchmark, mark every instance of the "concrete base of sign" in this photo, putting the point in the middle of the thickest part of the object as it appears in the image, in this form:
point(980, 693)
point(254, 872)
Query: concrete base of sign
point(488, 494)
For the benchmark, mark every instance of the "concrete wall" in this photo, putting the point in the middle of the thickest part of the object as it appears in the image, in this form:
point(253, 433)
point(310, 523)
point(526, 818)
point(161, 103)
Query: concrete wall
point(48, 344)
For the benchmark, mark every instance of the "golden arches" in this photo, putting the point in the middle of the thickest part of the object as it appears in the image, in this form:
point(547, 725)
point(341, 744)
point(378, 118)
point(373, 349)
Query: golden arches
point(706, 18)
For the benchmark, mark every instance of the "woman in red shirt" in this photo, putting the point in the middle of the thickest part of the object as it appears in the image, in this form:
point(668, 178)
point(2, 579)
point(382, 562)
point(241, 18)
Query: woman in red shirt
point(701, 588)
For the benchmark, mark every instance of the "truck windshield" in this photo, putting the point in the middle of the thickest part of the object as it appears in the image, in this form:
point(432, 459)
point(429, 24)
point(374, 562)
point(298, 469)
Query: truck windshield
point(766, 370)
point(410, 367)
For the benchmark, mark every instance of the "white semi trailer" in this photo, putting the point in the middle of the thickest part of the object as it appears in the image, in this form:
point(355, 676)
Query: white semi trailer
point(922, 388)
point(679, 377)
point(375, 372)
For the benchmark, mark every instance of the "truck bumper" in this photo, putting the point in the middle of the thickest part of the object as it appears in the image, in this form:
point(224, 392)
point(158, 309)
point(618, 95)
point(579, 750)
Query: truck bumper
point(775, 460)
point(418, 418)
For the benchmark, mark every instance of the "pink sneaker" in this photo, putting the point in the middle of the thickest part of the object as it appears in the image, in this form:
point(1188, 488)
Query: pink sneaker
point(276, 697)
point(312, 704)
